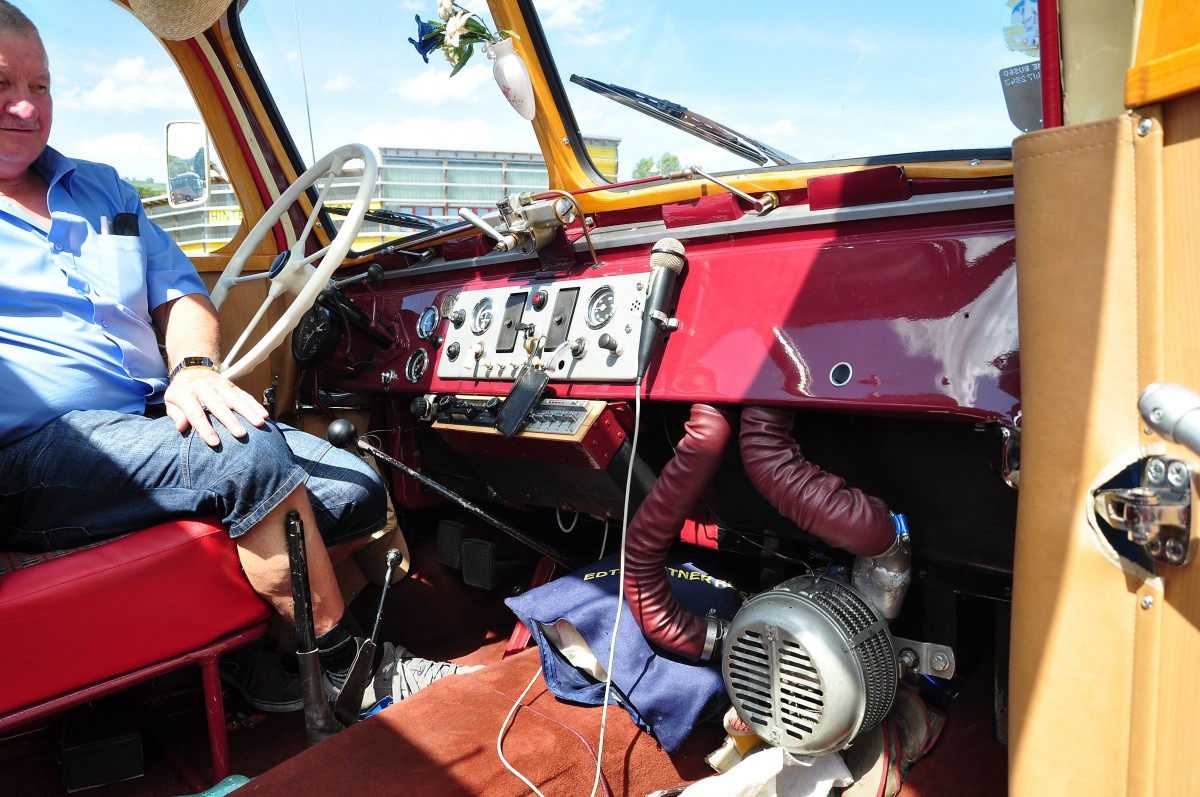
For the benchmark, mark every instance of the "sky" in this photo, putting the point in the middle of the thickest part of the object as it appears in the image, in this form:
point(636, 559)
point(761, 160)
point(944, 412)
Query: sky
point(816, 80)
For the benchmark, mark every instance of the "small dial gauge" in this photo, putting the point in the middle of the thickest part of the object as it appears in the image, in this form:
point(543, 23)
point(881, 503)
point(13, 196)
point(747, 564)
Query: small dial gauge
point(481, 316)
point(316, 336)
point(427, 322)
point(601, 307)
point(418, 362)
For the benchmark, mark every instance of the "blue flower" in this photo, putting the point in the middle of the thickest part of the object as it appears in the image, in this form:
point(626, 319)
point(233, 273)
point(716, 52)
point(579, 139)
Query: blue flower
point(427, 39)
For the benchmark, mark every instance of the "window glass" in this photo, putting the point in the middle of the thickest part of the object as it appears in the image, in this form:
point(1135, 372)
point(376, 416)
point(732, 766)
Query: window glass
point(815, 81)
point(115, 88)
point(339, 77)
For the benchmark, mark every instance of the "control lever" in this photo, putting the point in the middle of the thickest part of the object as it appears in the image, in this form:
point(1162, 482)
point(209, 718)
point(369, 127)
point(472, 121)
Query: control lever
point(319, 720)
point(342, 434)
point(505, 243)
point(374, 273)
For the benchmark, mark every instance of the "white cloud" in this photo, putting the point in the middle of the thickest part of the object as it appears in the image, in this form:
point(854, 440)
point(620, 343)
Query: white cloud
point(337, 83)
point(433, 86)
point(128, 86)
point(570, 14)
point(135, 155)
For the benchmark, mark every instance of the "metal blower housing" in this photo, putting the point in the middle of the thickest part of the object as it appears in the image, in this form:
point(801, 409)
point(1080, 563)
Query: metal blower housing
point(809, 665)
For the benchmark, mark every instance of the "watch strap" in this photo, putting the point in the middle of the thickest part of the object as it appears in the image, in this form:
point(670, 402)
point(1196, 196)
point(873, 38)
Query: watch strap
point(193, 362)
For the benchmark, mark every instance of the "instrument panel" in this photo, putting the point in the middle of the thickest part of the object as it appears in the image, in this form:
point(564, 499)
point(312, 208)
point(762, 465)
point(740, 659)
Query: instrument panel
point(584, 330)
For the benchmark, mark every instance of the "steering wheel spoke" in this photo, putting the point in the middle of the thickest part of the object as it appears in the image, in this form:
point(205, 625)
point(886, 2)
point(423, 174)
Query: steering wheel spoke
point(298, 278)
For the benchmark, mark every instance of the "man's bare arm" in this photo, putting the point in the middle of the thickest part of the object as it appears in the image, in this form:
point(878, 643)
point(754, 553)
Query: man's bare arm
point(190, 328)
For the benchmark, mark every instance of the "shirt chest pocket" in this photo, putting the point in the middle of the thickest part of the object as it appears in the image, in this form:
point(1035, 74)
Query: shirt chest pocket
point(122, 262)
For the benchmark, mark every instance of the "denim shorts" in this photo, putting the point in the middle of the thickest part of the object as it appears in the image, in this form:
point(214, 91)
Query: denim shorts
point(95, 474)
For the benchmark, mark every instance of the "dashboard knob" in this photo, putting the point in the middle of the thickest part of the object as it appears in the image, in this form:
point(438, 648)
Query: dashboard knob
point(421, 408)
point(341, 433)
point(492, 404)
point(607, 341)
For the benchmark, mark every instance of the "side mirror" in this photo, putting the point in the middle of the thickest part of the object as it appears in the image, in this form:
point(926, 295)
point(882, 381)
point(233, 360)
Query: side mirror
point(187, 164)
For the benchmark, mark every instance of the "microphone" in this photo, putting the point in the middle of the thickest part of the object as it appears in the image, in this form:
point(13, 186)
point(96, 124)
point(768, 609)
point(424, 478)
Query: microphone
point(666, 263)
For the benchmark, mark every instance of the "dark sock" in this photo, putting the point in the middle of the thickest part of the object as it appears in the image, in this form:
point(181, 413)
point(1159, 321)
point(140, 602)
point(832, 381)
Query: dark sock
point(336, 647)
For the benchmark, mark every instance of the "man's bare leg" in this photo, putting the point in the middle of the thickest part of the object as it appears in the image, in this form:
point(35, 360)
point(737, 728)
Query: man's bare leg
point(264, 557)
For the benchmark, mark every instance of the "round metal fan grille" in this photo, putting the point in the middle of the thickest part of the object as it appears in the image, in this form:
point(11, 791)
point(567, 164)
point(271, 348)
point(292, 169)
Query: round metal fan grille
point(816, 698)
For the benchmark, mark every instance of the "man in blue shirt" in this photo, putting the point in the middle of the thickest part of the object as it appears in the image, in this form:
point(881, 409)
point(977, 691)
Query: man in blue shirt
point(97, 436)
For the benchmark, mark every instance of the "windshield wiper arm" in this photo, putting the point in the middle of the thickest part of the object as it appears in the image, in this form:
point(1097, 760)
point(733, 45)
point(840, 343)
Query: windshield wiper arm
point(678, 116)
point(392, 217)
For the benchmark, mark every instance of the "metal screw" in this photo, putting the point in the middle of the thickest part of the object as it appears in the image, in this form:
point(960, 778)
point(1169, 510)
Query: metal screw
point(1144, 127)
point(1175, 551)
point(1147, 601)
point(909, 659)
point(1156, 469)
point(1178, 475)
point(940, 662)
point(1155, 547)
point(1156, 414)
point(976, 162)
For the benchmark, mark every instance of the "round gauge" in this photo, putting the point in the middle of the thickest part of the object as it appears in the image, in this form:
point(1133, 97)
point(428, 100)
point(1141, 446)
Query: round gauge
point(601, 307)
point(481, 316)
point(316, 336)
point(418, 361)
point(427, 322)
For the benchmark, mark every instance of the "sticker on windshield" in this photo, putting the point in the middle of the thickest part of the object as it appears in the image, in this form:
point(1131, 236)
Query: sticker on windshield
point(1021, 32)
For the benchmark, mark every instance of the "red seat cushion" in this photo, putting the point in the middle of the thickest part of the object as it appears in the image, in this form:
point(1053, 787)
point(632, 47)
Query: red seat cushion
point(106, 610)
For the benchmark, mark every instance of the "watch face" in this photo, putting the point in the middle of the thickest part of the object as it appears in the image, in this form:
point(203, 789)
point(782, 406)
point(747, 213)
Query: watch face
point(316, 336)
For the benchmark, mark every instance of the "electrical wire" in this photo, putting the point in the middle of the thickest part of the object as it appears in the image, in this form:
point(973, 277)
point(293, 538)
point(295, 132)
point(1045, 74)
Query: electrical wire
point(612, 646)
point(564, 528)
point(504, 726)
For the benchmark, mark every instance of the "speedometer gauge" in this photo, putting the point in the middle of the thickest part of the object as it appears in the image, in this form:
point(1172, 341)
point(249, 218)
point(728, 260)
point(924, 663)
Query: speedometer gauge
point(427, 322)
point(601, 307)
point(481, 316)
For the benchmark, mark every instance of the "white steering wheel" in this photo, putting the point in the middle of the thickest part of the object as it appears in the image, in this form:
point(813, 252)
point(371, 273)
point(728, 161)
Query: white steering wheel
point(293, 272)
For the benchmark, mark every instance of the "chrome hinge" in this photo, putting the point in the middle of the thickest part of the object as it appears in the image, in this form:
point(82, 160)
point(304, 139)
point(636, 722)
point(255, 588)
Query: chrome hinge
point(1157, 515)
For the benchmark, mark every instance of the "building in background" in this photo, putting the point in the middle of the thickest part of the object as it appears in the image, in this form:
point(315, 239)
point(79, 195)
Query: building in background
point(430, 184)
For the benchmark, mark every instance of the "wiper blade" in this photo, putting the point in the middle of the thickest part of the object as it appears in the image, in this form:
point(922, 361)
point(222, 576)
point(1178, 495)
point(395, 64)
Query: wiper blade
point(392, 217)
point(678, 116)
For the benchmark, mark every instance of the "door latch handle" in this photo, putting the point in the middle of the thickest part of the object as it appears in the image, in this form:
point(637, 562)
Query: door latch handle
point(1156, 515)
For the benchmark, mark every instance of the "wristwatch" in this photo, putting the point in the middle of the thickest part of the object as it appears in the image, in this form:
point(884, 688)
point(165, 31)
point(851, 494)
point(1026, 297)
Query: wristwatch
point(193, 362)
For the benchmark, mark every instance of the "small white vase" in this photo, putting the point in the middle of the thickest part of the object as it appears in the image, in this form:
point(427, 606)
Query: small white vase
point(512, 77)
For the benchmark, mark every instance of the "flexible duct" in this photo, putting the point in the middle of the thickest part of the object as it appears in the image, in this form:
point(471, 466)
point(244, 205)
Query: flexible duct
point(656, 526)
point(816, 501)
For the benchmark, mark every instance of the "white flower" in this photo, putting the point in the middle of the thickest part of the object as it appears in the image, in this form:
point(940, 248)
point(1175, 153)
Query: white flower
point(451, 56)
point(455, 27)
point(445, 9)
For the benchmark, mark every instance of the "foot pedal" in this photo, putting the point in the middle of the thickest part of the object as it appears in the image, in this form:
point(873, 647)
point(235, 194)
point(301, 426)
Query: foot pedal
point(450, 534)
point(479, 563)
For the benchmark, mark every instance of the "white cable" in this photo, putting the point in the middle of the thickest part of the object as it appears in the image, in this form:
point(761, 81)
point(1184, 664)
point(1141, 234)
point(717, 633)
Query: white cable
point(604, 540)
point(561, 527)
point(500, 736)
point(612, 646)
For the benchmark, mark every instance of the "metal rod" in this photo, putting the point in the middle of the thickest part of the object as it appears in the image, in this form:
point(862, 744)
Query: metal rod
point(445, 492)
point(319, 721)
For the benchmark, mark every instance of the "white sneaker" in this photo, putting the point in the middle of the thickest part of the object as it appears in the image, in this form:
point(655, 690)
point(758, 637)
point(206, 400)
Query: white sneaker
point(402, 674)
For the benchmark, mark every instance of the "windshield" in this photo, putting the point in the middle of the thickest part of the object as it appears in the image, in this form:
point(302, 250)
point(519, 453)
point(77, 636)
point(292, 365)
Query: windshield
point(810, 82)
point(817, 81)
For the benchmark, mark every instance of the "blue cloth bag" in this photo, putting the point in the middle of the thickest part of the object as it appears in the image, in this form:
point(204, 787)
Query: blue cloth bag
point(664, 694)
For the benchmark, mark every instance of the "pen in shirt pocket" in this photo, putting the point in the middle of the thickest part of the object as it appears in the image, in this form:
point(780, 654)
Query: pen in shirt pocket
point(104, 225)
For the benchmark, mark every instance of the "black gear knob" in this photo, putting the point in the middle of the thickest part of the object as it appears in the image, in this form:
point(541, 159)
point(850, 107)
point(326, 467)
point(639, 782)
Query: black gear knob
point(341, 433)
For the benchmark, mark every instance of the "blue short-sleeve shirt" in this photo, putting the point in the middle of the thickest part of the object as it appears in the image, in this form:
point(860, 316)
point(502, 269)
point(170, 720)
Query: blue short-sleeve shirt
point(75, 326)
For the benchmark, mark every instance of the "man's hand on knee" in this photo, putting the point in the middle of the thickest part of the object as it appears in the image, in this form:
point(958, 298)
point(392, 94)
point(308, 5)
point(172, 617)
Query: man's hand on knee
point(196, 392)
